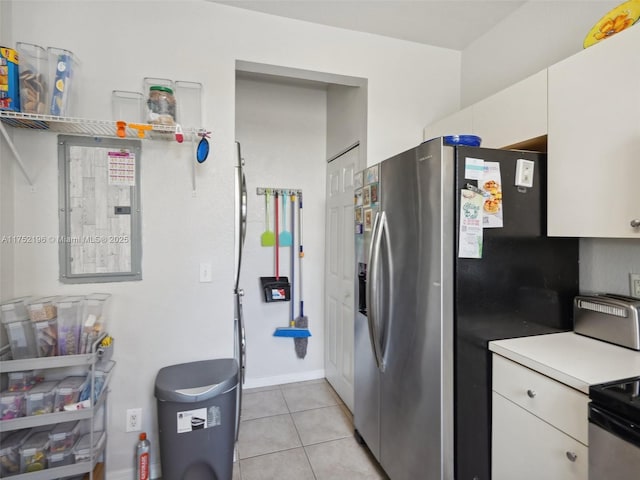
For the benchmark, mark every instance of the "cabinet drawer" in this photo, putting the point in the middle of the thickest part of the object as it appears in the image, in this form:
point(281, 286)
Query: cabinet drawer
point(560, 405)
point(526, 448)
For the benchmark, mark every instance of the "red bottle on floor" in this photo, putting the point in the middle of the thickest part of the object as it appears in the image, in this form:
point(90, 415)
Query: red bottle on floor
point(143, 448)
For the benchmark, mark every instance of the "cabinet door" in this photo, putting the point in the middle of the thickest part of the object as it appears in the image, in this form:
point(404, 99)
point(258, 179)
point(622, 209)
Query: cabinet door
point(459, 123)
point(527, 448)
point(513, 115)
point(594, 140)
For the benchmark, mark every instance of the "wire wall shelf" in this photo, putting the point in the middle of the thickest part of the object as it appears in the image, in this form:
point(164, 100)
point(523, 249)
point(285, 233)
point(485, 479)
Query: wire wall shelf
point(84, 126)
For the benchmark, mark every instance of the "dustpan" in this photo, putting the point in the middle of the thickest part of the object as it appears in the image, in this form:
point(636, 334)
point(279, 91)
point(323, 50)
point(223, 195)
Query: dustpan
point(276, 289)
point(292, 331)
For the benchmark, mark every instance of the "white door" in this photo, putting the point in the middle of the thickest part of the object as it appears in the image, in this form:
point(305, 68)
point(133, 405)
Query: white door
point(339, 275)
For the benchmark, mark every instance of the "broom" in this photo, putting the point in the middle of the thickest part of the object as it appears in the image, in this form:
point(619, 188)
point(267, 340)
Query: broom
point(301, 322)
point(292, 331)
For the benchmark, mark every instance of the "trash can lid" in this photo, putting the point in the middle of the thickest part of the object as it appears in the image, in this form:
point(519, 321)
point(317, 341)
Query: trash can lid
point(196, 381)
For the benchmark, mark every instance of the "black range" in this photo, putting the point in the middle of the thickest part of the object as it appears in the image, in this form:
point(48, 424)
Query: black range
point(614, 430)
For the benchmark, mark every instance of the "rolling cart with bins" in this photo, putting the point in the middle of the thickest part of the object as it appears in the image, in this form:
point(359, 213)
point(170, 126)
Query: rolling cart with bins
point(94, 470)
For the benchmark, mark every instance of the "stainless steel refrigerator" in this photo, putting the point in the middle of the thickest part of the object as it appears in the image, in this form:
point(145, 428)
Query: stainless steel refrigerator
point(450, 254)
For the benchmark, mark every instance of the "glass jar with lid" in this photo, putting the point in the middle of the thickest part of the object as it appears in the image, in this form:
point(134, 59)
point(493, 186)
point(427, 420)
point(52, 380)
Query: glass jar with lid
point(161, 105)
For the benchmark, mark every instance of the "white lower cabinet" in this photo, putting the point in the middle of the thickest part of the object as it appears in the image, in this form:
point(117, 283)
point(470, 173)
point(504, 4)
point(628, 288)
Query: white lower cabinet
point(524, 447)
point(539, 426)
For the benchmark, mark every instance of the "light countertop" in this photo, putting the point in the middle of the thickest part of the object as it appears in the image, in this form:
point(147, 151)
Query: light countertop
point(572, 359)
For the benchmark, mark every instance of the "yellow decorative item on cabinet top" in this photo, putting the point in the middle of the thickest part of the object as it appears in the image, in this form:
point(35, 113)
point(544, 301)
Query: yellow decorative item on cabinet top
point(616, 20)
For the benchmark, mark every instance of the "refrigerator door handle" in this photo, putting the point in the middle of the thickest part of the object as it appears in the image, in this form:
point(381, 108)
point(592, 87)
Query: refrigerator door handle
point(372, 289)
point(388, 295)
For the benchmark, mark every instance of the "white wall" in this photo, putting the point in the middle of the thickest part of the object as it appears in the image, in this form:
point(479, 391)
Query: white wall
point(346, 119)
point(169, 317)
point(6, 189)
point(536, 35)
point(282, 132)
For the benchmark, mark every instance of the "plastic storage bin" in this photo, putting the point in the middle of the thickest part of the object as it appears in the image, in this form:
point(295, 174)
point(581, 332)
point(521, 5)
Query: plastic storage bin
point(161, 101)
point(69, 324)
point(18, 327)
point(64, 65)
point(21, 381)
point(82, 450)
point(33, 452)
point(94, 319)
point(189, 103)
point(60, 459)
point(63, 437)
point(10, 452)
point(68, 391)
point(43, 308)
point(128, 106)
point(45, 333)
point(12, 405)
point(34, 78)
point(197, 418)
point(21, 339)
point(39, 399)
point(14, 310)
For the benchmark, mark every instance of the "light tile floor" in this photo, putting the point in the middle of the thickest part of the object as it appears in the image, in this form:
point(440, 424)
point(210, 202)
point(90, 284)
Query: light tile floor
point(299, 431)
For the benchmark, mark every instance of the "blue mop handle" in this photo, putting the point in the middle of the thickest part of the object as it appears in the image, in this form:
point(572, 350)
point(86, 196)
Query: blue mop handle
point(293, 266)
point(301, 251)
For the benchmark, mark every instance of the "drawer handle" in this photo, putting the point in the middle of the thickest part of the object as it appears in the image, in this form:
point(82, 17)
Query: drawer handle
point(572, 456)
point(531, 393)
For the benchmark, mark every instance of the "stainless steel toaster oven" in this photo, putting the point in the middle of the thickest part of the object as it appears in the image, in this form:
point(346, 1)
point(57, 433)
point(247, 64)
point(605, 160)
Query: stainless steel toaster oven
point(608, 317)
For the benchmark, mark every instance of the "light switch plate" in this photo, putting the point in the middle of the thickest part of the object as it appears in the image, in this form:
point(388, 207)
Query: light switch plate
point(524, 173)
point(205, 273)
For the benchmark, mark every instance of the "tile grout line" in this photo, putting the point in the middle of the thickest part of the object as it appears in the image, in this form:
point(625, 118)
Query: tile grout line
point(337, 402)
point(304, 449)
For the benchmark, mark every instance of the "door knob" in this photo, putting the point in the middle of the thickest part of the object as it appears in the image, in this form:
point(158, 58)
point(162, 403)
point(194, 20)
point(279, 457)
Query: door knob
point(572, 456)
point(531, 393)
point(635, 223)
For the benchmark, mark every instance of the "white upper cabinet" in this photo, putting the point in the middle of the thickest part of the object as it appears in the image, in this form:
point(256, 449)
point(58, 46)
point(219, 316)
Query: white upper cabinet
point(594, 141)
point(509, 117)
point(513, 115)
point(459, 123)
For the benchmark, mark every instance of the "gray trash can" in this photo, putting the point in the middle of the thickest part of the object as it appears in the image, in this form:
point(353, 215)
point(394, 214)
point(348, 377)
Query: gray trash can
point(196, 419)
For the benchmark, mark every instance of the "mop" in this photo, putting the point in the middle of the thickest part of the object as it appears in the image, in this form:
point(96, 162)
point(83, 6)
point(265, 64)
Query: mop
point(292, 331)
point(301, 322)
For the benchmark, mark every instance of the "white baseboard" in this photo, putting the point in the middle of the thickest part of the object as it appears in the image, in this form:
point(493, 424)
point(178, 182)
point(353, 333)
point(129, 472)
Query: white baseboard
point(129, 473)
point(282, 379)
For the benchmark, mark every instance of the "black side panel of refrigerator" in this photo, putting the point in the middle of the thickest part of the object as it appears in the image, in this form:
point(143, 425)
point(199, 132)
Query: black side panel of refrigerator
point(523, 285)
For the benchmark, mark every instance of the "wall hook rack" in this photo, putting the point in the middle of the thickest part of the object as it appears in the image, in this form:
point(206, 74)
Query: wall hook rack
point(279, 191)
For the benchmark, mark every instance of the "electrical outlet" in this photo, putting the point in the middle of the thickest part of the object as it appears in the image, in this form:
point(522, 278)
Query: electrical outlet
point(634, 285)
point(134, 419)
